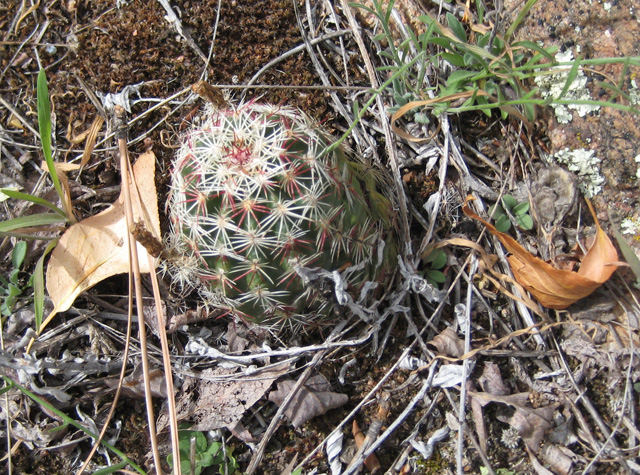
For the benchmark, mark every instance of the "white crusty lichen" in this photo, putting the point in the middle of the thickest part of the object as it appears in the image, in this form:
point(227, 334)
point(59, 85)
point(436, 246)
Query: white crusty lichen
point(553, 82)
point(630, 225)
point(634, 93)
point(586, 166)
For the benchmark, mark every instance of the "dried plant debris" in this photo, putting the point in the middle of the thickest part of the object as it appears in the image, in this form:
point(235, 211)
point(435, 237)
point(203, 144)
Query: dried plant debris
point(553, 287)
point(448, 343)
point(554, 193)
point(220, 397)
point(313, 399)
point(133, 385)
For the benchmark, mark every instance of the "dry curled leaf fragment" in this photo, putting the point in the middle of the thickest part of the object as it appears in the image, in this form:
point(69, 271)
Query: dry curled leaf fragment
point(553, 287)
point(532, 424)
point(448, 343)
point(314, 398)
point(220, 397)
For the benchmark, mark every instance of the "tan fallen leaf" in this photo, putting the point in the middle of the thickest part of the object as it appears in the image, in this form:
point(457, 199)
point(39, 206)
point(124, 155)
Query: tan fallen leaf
point(95, 248)
point(552, 287)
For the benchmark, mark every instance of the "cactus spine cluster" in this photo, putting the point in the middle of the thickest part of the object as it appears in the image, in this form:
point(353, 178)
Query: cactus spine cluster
point(253, 197)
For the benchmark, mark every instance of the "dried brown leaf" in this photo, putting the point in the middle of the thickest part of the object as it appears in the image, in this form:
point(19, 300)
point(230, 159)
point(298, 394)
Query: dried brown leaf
point(477, 414)
point(133, 385)
point(559, 458)
point(314, 398)
point(95, 248)
point(531, 424)
point(552, 287)
point(491, 380)
point(448, 343)
point(221, 397)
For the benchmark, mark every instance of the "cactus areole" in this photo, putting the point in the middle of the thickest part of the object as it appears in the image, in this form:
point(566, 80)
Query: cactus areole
point(255, 199)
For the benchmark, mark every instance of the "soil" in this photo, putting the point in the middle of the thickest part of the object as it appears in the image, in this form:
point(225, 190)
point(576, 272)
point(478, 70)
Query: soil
point(100, 48)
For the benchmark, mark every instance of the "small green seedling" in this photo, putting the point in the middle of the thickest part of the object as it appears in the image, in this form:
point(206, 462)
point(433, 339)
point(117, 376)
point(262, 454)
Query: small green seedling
point(58, 215)
point(12, 289)
point(207, 454)
point(511, 207)
point(435, 261)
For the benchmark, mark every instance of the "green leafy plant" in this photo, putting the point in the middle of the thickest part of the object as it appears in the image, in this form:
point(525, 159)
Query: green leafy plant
point(11, 288)
point(510, 207)
point(207, 454)
point(435, 261)
point(478, 69)
point(258, 205)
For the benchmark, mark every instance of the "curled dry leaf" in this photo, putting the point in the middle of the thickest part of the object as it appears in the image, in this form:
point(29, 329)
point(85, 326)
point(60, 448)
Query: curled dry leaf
point(448, 343)
point(531, 424)
point(314, 398)
point(95, 248)
point(491, 380)
point(552, 287)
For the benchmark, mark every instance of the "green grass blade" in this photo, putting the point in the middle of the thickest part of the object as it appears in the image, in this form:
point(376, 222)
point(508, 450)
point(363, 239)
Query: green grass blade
point(534, 47)
point(44, 115)
point(27, 236)
point(70, 421)
point(521, 14)
point(573, 73)
point(615, 89)
point(111, 469)
point(364, 7)
point(30, 221)
point(629, 254)
point(38, 286)
point(33, 199)
point(44, 125)
point(389, 11)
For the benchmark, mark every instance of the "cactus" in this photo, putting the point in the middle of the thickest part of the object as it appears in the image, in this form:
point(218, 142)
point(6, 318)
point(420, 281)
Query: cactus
point(254, 196)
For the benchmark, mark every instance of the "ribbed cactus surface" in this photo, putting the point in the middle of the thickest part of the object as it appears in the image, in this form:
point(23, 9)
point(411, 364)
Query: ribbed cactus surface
point(253, 197)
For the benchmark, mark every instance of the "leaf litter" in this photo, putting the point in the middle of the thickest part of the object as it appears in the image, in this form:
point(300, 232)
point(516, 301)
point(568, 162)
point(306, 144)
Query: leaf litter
point(530, 398)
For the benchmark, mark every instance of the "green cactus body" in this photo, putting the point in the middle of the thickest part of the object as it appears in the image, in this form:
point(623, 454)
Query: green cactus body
point(252, 198)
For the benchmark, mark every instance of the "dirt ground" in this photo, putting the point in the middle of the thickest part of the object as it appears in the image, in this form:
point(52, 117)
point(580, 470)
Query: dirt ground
point(559, 401)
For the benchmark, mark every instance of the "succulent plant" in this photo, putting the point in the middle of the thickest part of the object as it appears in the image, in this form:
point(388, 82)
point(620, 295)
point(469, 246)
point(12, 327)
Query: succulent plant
point(255, 198)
